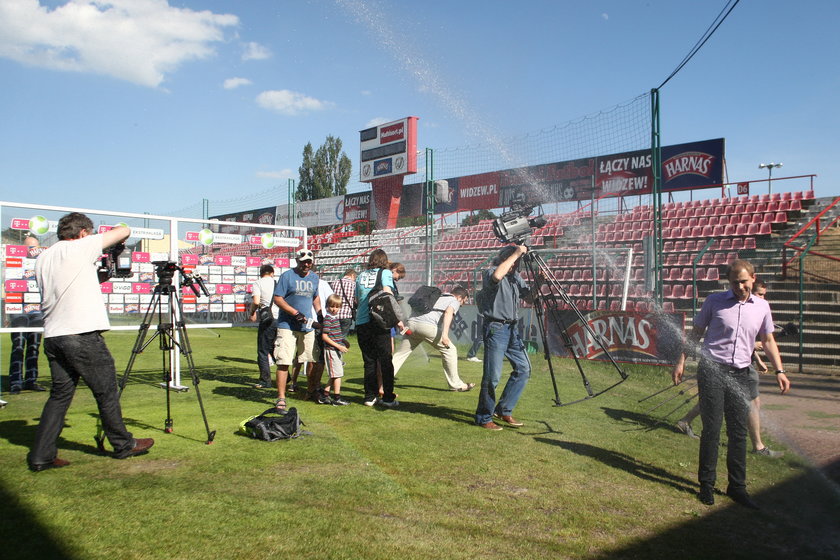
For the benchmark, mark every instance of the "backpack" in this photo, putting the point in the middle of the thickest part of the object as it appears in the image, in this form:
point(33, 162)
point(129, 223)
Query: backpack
point(384, 308)
point(424, 299)
point(272, 425)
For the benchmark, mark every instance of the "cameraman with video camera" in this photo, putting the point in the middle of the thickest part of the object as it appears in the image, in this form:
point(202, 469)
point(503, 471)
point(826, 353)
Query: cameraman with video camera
point(74, 319)
point(498, 302)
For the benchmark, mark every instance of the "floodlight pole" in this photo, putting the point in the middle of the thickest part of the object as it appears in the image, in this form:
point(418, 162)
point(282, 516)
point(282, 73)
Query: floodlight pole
point(769, 167)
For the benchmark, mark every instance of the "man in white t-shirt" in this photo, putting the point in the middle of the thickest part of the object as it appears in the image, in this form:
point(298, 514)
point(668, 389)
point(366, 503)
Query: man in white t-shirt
point(74, 319)
point(433, 329)
point(263, 310)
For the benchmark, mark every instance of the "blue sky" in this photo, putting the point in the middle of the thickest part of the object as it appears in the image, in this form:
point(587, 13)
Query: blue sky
point(152, 105)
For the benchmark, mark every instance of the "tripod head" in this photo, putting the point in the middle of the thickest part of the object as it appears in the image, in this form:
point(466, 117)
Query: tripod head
point(166, 270)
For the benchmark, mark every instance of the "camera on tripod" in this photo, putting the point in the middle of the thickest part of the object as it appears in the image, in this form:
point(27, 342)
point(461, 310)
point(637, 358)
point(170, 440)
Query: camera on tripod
point(166, 272)
point(115, 263)
point(516, 225)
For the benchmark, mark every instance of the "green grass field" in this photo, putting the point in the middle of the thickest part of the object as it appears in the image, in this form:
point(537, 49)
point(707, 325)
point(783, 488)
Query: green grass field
point(598, 479)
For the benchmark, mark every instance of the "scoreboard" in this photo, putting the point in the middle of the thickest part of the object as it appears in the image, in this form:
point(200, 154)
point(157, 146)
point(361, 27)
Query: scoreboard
point(388, 149)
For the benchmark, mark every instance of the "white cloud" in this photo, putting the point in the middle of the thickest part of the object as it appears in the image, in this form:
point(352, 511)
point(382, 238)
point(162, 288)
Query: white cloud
point(376, 121)
point(366, 92)
point(140, 41)
point(233, 83)
point(291, 103)
point(282, 174)
point(605, 16)
point(255, 51)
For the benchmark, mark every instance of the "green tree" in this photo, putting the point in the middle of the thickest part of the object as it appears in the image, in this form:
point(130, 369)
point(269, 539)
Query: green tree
point(326, 173)
point(306, 182)
point(474, 218)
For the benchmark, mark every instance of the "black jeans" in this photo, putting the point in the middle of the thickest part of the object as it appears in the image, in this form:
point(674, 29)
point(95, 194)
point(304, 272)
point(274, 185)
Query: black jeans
point(346, 325)
point(23, 362)
point(266, 333)
point(724, 393)
point(375, 344)
point(71, 357)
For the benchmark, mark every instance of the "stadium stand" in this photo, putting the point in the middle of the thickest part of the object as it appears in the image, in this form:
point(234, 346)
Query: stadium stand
point(738, 226)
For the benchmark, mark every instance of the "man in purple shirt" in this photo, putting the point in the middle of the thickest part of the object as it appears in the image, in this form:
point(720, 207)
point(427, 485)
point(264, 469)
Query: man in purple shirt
point(726, 380)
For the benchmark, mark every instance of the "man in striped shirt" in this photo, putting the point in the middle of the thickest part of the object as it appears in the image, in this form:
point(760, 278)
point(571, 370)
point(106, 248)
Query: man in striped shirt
point(346, 288)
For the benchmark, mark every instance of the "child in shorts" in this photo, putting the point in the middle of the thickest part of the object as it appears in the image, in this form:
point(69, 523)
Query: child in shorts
point(334, 346)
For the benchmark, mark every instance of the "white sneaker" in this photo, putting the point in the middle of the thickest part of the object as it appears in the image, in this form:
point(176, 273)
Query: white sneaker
point(370, 402)
point(474, 359)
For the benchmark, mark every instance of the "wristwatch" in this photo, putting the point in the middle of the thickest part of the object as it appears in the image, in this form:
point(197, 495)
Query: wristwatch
point(778, 371)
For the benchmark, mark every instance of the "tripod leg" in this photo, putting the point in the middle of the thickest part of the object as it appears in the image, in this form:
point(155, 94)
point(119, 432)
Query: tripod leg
point(669, 399)
point(546, 350)
point(546, 305)
point(139, 346)
point(167, 376)
point(668, 388)
point(682, 404)
point(186, 351)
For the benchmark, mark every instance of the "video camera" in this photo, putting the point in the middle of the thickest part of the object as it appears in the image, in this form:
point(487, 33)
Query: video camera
point(115, 263)
point(166, 272)
point(516, 225)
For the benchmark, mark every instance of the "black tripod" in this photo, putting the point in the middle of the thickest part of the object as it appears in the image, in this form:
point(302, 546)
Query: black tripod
point(547, 307)
point(169, 321)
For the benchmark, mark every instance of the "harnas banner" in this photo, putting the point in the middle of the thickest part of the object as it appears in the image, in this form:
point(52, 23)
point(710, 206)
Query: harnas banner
point(642, 338)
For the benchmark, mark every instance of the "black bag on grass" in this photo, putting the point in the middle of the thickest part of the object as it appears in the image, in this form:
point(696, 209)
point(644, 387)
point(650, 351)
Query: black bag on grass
point(272, 425)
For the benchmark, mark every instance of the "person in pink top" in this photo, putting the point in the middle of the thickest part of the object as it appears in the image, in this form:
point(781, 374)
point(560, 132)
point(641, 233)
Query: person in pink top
point(731, 321)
